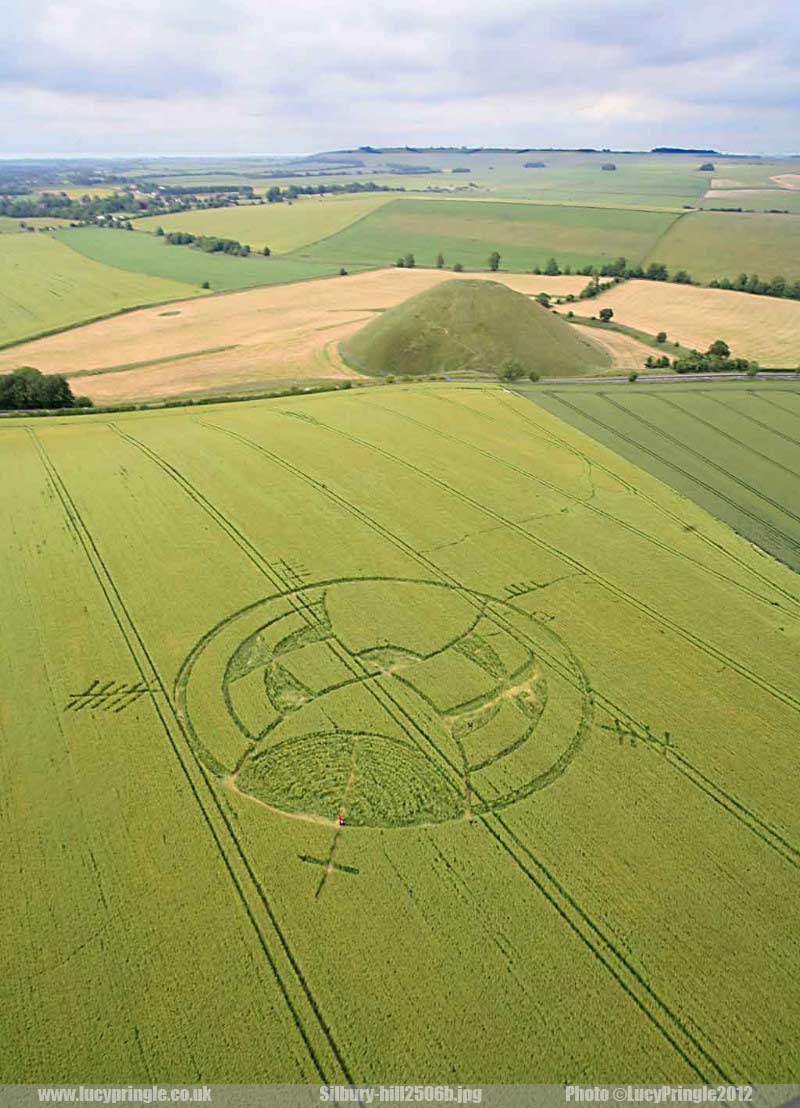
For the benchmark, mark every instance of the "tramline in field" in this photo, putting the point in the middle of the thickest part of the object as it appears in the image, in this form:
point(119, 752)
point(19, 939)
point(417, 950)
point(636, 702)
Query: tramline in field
point(389, 757)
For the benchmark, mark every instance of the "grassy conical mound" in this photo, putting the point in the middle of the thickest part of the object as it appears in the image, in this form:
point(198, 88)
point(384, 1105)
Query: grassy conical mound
point(473, 326)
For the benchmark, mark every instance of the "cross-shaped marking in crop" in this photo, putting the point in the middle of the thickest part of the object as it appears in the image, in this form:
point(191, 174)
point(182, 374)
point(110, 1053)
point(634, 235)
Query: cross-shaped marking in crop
point(635, 733)
point(328, 865)
point(112, 696)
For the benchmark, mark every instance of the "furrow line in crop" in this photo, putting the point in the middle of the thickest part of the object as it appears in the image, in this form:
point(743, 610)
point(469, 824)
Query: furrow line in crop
point(609, 956)
point(587, 505)
point(616, 590)
point(173, 728)
point(706, 461)
point(718, 547)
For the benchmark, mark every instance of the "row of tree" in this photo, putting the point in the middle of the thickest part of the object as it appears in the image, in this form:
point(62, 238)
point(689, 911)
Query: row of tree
point(86, 209)
point(717, 359)
point(276, 195)
point(26, 389)
point(751, 282)
point(408, 261)
point(209, 244)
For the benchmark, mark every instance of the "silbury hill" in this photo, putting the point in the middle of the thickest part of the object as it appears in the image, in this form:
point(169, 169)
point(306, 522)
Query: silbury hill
point(475, 327)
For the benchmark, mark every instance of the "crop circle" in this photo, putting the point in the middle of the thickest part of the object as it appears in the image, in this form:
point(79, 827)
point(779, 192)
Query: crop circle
point(388, 702)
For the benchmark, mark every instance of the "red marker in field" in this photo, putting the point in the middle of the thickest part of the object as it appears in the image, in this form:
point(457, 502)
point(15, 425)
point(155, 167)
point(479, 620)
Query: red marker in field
point(341, 821)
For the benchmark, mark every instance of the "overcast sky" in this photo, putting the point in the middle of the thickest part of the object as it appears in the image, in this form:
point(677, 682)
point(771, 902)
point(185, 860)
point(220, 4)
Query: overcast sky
point(260, 76)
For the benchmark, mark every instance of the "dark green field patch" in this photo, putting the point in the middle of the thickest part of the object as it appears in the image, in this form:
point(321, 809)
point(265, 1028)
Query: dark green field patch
point(139, 252)
point(732, 448)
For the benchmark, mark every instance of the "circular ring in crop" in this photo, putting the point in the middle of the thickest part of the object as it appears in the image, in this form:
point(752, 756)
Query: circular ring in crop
point(387, 702)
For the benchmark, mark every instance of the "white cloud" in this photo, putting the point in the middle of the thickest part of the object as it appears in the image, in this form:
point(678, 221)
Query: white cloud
point(191, 76)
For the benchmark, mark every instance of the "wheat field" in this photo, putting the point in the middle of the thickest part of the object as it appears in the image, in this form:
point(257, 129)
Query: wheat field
point(260, 335)
point(760, 327)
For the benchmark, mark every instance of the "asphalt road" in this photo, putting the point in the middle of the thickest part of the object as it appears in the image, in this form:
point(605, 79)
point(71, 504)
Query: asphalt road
point(661, 377)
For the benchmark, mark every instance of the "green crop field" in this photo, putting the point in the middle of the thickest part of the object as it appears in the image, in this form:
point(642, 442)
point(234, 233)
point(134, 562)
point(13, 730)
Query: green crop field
point(640, 180)
point(139, 252)
point(554, 701)
point(734, 447)
point(526, 235)
point(282, 227)
point(725, 244)
point(45, 286)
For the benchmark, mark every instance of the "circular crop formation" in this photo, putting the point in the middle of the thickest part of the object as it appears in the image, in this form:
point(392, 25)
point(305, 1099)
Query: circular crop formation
point(384, 702)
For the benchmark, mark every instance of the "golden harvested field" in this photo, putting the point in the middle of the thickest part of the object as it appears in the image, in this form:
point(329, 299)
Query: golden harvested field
point(282, 227)
point(787, 180)
point(735, 193)
point(627, 352)
point(759, 327)
point(261, 335)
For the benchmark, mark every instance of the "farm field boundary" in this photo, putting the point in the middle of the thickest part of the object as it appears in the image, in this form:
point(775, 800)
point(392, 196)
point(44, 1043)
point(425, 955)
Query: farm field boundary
point(762, 328)
point(280, 333)
point(723, 244)
point(283, 227)
point(725, 445)
point(46, 287)
point(466, 233)
point(143, 253)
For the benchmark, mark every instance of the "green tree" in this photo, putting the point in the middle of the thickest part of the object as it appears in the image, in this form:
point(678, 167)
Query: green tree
point(440, 260)
point(400, 263)
point(410, 261)
point(494, 261)
point(458, 268)
point(512, 370)
point(719, 349)
point(551, 269)
point(661, 336)
point(26, 389)
point(266, 251)
point(606, 314)
point(656, 272)
point(754, 283)
point(543, 298)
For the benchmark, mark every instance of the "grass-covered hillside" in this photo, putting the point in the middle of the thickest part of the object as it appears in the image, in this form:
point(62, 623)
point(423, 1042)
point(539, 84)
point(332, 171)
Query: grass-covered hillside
point(473, 326)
